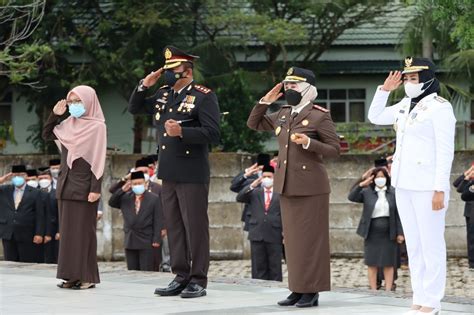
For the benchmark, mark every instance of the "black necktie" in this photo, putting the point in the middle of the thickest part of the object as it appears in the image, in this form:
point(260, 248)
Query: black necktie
point(293, 116)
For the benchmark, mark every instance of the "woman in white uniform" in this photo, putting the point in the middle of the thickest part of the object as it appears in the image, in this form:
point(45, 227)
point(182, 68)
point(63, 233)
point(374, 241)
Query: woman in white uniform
point(425, 124)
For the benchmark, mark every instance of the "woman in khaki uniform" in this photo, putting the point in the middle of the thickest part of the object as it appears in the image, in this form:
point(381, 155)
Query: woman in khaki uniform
point(82, 134)
point(306, 134)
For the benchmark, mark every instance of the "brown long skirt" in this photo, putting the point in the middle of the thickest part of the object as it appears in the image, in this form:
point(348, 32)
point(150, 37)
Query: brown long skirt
point(78, 245)
point(306, 236)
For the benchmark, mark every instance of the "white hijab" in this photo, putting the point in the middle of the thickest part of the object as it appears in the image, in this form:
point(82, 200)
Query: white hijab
point(309, 94)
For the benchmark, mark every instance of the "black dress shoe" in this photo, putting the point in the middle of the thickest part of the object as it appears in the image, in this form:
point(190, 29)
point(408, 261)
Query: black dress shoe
point(193, 290)
point(174, 288)
point(291, 299)
point(308, 300)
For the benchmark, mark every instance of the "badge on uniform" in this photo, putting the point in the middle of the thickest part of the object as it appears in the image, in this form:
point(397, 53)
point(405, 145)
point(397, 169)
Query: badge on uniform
point(157, 116)
point(277, 130)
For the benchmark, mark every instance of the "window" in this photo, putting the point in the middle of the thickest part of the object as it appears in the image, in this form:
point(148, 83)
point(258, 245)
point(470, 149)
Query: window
point(345, 105)
point(6, 109)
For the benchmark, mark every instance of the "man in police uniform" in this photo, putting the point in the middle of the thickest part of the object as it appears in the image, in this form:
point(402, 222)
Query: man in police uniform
point(306, 134)
point(425, 126)
point(187, 117)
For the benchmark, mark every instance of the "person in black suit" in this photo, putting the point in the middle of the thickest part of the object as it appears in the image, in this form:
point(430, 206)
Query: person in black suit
point(187, 118)
point(265, 228)
point(379, 225)
point(462, 184)
point(142, 221)
point(22, 218)
point(51, 238)
point(143, 165)
point(245, 178)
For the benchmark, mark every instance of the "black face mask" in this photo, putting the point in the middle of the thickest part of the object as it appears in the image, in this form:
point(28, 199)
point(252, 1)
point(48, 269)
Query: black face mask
point(172, 77)
point(293, 97)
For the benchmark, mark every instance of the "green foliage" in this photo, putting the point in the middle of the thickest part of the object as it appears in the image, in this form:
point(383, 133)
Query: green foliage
point(6, 134)
point(236, 98)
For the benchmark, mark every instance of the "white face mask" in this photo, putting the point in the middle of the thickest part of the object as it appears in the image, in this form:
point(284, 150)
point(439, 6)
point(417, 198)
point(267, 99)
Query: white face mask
point(44, 183)
point(32, 183)
point(413, 90)
point(147, 177)
point(267, 182)
point(380, 181)
point(54, 172)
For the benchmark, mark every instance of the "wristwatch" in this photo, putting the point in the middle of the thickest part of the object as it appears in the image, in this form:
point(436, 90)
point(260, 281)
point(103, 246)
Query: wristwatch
point(141, 87)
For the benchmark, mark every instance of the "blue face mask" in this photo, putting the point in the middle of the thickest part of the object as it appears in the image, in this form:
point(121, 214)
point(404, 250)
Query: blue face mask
point(77, 109)
point(138, 189)
point(18, 181)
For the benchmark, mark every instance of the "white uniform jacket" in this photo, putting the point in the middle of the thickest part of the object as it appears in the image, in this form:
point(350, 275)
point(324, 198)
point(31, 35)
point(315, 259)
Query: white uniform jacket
point(425, 140)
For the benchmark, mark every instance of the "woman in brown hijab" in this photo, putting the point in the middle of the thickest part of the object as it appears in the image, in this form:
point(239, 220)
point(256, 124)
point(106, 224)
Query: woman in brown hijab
point(78, 124)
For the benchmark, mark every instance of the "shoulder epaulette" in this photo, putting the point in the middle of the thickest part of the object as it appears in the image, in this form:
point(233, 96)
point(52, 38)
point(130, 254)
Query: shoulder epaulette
point(164, 87)
point(325, 110)
point(440, 99)
point(202, 88)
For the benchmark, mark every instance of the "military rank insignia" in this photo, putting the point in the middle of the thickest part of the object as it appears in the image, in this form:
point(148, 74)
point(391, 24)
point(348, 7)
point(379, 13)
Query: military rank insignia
point(325, 110)
point(202, 89)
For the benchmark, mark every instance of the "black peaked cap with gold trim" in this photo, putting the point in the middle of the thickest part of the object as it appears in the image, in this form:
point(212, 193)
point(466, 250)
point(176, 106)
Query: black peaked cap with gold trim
point(413, 64)
point(296, 74)
point(175, 57)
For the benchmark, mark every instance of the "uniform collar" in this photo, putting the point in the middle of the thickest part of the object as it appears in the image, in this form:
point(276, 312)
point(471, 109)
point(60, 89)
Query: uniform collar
point(299, 108)
point(184, 87)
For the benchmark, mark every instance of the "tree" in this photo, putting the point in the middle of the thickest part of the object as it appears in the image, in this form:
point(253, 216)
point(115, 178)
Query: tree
point(289, 30)
point(236, 98)
point(110, 41)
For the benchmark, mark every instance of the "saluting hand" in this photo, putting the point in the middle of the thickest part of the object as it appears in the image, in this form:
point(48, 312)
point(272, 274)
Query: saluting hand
point(467, 174)
point(367, 181)
point(127, 186)
point(393, 81)
point(256, 183)
point(152, 77)
point(367, 173)
point(253, 170)
point(4, 178)
point(60, 108)
point(273, 95)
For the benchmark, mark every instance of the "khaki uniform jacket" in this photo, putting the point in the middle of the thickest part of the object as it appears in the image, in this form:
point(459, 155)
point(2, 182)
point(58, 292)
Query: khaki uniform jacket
point(300, 172)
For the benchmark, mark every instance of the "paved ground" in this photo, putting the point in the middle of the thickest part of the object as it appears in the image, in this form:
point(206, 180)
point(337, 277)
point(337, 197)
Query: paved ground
point(30, 289)
point(346, 273)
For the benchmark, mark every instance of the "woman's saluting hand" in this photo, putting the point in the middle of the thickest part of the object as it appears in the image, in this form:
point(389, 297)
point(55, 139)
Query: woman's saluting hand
point(60, 108)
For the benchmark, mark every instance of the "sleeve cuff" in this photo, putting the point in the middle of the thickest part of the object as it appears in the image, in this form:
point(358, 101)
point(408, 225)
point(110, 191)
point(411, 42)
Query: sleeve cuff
point(306, 146)
point(263, 103)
